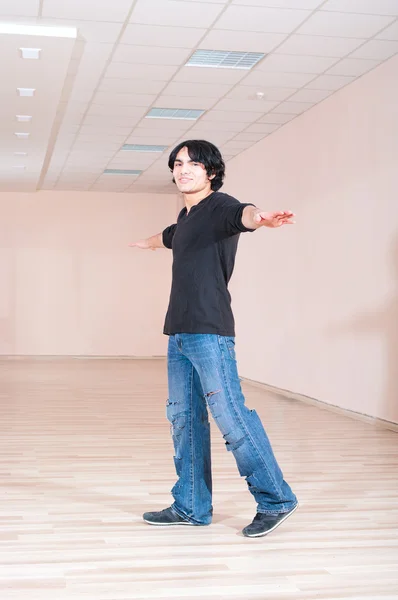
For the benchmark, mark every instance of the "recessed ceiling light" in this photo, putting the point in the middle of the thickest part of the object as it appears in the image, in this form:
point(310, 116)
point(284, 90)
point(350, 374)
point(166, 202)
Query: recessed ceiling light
point(143, 148)
point(41, 30)
point(174, 113)
point(22, 135)
point(122, 172)
point(224, 59)
point(23, 118)
point(33, 53)
point(20, 154)
point(26, 91)
point(20, 167)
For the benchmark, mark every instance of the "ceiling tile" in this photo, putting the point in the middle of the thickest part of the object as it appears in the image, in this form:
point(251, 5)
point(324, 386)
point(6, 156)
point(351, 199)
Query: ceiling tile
point(262, 128)
point(276, 118)
point(376, 49)
point(107, 124)
point(209, 1)
point(246, 92)
point(97, 125)
point(99, 137)
point(185, 102)
point(204, 126)
point(165, 125)
point(344, 24)
point(391, 33)
point(109, 110)
point(353, 66)
point(308, 95)
point(124, 99)
point(175, 13)
point(299, 4)
point(235, 116)
point(209, 75)
point(215, 137)
point(198, 90)
point(129, 86)
point(252, 106)
point(120, 70)
point(90, 10)
point(152, 137)
point(288, 80)
point(263, 20)
point(248, 137)
point(293, 108)
point(287, 63)
point(318, 45)
point(330, 82)
point(241, 40)
point(23, 8)
point(135, 162)
point(167, 37)
point(233, 146)
point(147, 55)
point(94, 56)
point(371, 7)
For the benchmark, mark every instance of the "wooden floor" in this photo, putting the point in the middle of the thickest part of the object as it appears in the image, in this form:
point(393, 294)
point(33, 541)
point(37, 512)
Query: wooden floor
point(85, 449)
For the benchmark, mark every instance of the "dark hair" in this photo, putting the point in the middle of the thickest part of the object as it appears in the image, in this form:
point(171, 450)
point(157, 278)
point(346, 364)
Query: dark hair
point(205, 153)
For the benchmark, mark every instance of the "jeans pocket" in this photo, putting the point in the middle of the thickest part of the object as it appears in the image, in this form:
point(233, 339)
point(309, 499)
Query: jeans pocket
point(230, 343)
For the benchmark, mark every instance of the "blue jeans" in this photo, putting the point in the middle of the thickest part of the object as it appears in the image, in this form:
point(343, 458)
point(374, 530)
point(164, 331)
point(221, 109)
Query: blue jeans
point(202, 373)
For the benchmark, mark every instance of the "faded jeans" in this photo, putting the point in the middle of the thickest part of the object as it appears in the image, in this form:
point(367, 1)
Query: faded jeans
point(202, 373)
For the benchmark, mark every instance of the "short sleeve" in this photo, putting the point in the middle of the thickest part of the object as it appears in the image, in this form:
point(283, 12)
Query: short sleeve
point(227, 216)
point(167, 236)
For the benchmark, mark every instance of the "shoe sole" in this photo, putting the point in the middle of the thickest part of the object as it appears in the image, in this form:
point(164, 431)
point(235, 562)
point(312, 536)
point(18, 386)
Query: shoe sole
point(274, 527)
point(168, 524)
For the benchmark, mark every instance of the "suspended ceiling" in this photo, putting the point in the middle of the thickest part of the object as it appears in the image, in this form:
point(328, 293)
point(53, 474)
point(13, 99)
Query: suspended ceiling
point(115, 61)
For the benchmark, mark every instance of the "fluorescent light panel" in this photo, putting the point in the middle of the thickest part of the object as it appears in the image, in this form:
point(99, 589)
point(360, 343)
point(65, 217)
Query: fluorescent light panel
point(175, 113)
point(224, 59)
point(122, 172)
point(143, 148)
point(31, 53)
point(26, 91)
point(20, 154)
point(23, 118)
point(40, 30)
point(22, 135)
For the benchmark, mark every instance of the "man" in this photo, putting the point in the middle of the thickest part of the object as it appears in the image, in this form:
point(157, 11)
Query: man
point(202, 369)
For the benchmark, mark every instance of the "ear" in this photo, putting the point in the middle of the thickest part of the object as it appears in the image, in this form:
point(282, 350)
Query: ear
point(210, 177)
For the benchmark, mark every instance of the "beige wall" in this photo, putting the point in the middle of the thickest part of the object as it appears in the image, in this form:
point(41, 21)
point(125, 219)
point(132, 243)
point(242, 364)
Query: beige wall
point(69, 283)
point(317, 305)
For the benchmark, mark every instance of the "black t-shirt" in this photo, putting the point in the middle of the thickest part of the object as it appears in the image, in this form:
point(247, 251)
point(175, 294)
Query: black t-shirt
point(204, 243)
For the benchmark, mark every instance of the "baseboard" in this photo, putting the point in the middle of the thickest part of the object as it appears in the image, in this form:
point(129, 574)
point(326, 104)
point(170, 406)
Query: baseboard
point(38, 357)
point(324, 405)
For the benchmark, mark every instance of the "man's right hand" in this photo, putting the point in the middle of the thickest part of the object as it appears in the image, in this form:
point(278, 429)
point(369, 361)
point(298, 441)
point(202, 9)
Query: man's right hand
point(143, 244)
point(151, 243)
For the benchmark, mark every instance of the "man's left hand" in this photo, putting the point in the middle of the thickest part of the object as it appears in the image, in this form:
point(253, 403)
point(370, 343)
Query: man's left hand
point(273, 219)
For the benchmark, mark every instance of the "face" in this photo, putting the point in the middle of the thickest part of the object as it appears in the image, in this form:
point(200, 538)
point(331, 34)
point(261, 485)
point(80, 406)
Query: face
point(190, 176)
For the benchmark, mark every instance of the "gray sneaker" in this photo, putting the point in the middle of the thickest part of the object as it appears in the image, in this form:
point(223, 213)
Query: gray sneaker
point(168, 516)
point(263, 523)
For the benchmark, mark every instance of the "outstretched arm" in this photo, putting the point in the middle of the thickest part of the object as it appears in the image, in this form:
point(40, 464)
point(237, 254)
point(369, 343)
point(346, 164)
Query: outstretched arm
point(253, 218)
point(151, 243)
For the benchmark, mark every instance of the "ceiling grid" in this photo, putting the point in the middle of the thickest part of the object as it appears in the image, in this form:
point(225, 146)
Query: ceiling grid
point(90, 128)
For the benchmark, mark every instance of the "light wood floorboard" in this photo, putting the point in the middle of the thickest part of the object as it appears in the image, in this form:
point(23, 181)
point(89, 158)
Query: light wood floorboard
point(85, 450)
